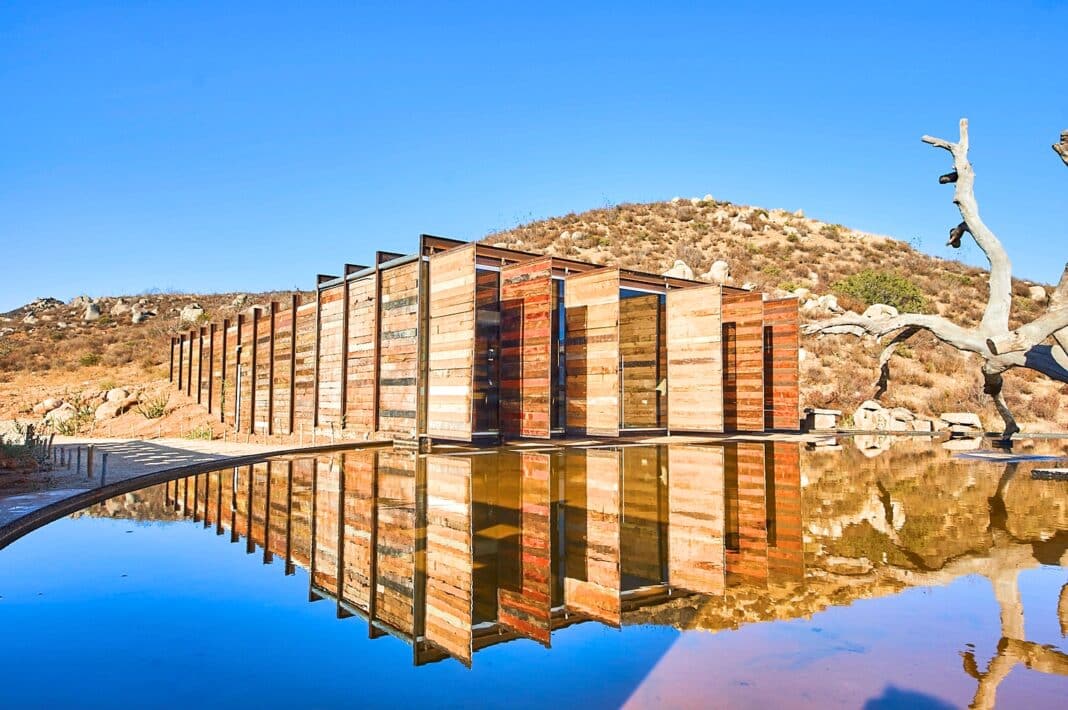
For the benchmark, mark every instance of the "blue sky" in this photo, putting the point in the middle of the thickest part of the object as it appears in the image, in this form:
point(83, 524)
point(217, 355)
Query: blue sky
point(228, 146)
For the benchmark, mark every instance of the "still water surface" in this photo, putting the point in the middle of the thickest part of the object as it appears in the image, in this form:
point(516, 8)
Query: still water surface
point(735, 575)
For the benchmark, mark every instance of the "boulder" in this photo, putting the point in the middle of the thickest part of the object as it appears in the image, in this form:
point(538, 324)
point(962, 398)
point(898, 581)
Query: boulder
point(964, 423)
point(902, 415)
point(116, 395)
point(679, 270)
point(719, 272)
point(47, 405)
point(120, 308)
point(138, 316)
point(813, 277)
point(30, 320)
point(60, 415)
point(802, 293)
point(191, 313)
point(80, 301)
point(239, 301)
point(922, 425)
point(110, 410)
point(872, 416)
point(708, 198)
point(92, 313)
point(748, 286)
point(1038, 294)
point(829, 302)
point(880, 311)
point(799, 213)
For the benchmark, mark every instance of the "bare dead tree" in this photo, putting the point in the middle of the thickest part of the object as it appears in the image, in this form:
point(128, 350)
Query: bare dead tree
point(1041, 345)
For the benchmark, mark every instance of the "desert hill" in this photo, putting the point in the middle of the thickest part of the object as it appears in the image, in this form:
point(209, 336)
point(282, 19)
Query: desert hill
point(80, 350)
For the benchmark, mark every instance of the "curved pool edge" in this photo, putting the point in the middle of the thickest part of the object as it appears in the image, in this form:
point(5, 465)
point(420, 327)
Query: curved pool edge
point(23, 525)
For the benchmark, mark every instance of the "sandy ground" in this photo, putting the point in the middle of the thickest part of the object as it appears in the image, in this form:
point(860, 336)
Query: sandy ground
point(126, 458)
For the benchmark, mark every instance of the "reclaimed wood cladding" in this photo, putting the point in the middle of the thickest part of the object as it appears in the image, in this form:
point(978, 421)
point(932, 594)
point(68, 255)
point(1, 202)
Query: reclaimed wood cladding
point(449, 552)
point(695, 359)
point(594, 588)
point(786, 559)
point(451, 344)
point(639, 347)
point(696, 553)
point(526, 607)
point(746, 487)
point(526, 343)
point(396, 533)
point(640, 529)
point(359, 366)
point(304, 378)
point(591, 301)
point(358, 500)
point(283, 348)
point(782, 405)
point(324, 563)
point(263, 370)
point(399, 350)
point(331, 317)
point(743, 361)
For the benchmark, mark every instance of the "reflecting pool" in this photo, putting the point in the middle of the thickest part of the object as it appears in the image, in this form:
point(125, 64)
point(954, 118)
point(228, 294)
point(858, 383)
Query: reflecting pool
point(739, 574)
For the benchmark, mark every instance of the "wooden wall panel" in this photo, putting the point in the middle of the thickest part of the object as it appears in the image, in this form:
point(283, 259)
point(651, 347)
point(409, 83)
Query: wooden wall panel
point(301, 512)
point(451, 344)
point(325, 551)
point(245, 393)
point(641, 545)
point(304, 386)
point(786, 559)
point(225, 388)
point(592, 314)
point(782, 405)
point(527, 608)
point(331, 326)
point(526, 342)
point(283, 348)
point(358, 500)
point(639, 348)
point(399, 368)
point(396, 533)
point(695, 359)
point(262, 391)
point(449, 552)
point(695, 519)
point(746, 490)
point(595, 590)
point(743, 361)
point(359, 368)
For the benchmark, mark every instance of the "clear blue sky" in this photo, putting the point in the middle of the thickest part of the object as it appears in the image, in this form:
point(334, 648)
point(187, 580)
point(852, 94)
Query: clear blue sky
point(222, 146)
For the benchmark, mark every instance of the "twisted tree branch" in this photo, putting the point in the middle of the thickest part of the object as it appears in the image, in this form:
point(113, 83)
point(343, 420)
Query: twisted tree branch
point(996, 315)
point(883, 382)
point(1061, 148)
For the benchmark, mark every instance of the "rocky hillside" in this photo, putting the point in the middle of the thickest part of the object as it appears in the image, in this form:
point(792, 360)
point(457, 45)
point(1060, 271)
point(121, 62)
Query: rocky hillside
point(832, 268)
point(100, 364)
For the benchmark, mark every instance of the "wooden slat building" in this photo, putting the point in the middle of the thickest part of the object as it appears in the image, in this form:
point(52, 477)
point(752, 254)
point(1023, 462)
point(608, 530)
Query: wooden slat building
point(471, 342)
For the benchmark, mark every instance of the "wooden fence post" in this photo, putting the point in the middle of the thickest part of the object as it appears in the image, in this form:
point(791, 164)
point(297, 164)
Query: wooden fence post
point(181, 361)
point(170, 370)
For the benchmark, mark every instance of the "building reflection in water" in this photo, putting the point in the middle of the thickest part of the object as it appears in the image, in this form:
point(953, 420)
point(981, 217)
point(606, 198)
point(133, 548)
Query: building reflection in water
point(456, 552)
point(453, 553)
